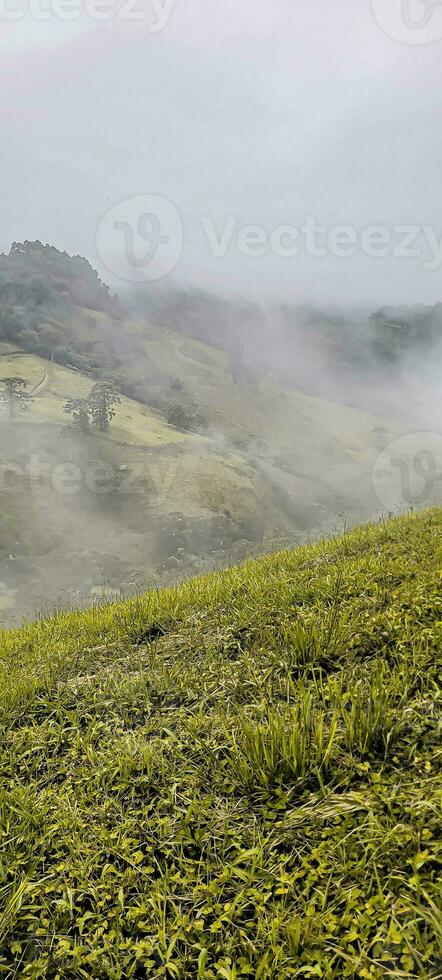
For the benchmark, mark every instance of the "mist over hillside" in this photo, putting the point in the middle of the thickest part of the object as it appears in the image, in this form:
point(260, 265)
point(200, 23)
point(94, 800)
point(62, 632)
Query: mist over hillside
point(364, 358)
point(238, 427)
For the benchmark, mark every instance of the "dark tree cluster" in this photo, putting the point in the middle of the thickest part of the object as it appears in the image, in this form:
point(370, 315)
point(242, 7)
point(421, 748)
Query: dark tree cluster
point(39, 287)
point(14, 397)
point(185, 419)
point(98, 409)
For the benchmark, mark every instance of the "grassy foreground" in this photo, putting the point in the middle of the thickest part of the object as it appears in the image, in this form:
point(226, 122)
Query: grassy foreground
point(238, 777)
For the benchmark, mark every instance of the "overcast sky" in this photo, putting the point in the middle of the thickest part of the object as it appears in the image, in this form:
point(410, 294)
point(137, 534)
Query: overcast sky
point(264, 113)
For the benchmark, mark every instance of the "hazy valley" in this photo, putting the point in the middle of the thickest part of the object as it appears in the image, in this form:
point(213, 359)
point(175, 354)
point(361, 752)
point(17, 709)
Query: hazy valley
point(219, 447)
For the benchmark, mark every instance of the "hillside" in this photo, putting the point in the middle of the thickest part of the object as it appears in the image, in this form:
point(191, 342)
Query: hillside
point(367, 361)
point(108, 513)
point(238, 777)
point(204, 464)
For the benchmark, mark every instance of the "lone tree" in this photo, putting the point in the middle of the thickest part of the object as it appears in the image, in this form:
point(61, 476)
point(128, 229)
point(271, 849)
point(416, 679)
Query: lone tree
point(102, 400)
point(80, 409)
point(184, 419)
point(14, 396)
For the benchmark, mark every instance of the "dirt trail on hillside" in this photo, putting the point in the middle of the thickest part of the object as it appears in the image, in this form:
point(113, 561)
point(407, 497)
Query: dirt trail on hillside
point(178, 347)
point(41, 386)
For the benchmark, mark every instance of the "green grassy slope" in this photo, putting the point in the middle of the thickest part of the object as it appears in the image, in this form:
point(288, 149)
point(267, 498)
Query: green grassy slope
point(237, 777)
point(53, 385)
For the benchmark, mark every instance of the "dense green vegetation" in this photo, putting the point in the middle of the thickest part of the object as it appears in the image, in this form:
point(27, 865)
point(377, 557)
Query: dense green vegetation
point(56, 307)
point(237, 777)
